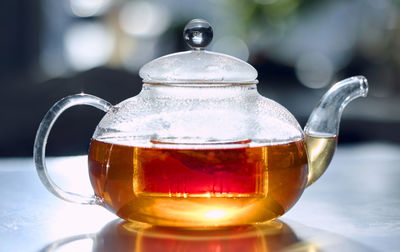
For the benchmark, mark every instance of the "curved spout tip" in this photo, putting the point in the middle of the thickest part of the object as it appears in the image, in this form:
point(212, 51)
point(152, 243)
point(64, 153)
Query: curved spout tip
point(363, 85)
point(325, 118)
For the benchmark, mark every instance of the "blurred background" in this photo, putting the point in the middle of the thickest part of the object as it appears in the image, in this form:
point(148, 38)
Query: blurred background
point(53, 48)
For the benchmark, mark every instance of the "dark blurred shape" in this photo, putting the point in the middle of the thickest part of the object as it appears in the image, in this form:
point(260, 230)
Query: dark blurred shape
point(19, 43)
point(51, 49)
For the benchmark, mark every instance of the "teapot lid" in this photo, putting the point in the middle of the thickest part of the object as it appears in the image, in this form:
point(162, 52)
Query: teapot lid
point(198, 66)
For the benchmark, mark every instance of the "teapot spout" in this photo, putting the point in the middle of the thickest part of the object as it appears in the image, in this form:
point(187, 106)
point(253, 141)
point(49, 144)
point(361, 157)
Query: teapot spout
point(322, 128)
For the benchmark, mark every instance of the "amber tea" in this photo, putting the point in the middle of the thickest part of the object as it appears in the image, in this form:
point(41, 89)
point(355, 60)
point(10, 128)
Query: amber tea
point(198, 186)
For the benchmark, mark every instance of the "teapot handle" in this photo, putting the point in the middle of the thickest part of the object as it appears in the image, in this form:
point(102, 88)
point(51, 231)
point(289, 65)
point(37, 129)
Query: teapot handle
point(42, 134)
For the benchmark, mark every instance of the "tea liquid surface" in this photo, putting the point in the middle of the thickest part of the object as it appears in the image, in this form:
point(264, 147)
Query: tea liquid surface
point(198, 187)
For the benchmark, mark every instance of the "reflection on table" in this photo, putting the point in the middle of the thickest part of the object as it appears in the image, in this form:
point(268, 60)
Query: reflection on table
point(119, 235)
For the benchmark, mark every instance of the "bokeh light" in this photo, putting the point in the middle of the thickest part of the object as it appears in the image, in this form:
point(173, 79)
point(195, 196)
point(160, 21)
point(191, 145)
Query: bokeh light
point(88, 45)
point(144, 19)
point(314, 70)
point(85, 8)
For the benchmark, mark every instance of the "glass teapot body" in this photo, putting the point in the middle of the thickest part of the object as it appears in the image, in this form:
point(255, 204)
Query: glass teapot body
point(193, 155)
point(199, 147)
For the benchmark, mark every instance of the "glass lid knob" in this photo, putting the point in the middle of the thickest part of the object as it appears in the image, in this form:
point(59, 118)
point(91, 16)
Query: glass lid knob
point(198, 66)
point(198, 34)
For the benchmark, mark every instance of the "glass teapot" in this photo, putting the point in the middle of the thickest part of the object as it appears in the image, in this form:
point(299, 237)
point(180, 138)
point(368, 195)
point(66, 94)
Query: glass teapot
point(199, 146)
